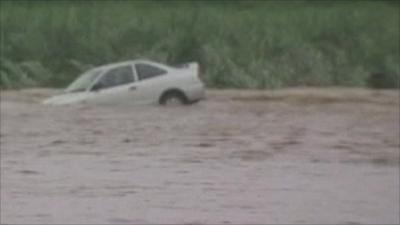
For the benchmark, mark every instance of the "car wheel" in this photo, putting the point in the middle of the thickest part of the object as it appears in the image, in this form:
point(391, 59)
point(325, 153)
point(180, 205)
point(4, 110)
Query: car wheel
point(173, 99)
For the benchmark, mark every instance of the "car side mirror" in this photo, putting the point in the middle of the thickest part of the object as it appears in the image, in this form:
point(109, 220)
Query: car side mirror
point(97, 87)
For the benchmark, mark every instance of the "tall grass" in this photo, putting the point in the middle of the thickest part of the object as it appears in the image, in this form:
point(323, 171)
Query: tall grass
point(240, 44)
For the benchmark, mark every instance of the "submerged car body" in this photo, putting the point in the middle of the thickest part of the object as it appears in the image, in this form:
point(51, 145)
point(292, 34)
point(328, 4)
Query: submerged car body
point(134, 82)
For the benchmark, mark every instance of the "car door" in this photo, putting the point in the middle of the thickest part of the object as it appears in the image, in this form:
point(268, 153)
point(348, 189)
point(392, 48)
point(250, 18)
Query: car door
point(150, 82)
point(116, 85)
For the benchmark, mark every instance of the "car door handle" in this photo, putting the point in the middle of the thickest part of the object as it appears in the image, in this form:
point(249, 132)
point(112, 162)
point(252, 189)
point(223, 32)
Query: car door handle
point(132, 88)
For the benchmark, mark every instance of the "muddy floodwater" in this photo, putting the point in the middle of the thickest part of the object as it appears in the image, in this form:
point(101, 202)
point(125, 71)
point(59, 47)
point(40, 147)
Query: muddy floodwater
point(309, 156)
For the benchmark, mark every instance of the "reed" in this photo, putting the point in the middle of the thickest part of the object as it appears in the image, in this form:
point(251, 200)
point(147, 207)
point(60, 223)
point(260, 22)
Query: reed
point(240, 44)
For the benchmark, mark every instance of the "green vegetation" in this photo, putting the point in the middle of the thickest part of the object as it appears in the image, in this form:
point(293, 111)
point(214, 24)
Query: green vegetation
point(240, 44)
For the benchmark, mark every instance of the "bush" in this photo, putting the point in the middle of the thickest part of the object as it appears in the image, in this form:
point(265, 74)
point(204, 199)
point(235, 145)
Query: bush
point(239, 44)
point(383, 80)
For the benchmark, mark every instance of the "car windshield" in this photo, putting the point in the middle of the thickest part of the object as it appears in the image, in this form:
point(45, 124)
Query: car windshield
point(84, 81)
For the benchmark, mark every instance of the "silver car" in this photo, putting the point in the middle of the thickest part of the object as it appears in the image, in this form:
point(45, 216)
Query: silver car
point(135, 82)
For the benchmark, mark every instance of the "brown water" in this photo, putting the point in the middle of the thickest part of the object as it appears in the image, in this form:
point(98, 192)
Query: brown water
point(292, 156)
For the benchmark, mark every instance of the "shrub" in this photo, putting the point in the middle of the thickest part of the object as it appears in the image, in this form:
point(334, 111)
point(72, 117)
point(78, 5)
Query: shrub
point(239, 44)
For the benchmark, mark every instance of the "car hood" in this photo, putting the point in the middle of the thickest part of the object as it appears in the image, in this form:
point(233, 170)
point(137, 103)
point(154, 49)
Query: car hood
point(67, 98)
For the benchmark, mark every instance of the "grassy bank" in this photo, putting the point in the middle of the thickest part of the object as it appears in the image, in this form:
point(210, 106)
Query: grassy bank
point(240, 44)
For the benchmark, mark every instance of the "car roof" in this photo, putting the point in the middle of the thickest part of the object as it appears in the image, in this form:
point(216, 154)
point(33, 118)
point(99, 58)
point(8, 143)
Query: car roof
point(110, 65)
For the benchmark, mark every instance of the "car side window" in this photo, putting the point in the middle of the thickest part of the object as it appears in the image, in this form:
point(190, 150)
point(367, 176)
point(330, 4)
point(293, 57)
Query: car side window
point(146, 71)
point(115, 77)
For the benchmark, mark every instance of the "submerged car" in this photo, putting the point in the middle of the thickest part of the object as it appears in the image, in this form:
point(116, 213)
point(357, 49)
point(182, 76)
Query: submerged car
point(136, 82)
